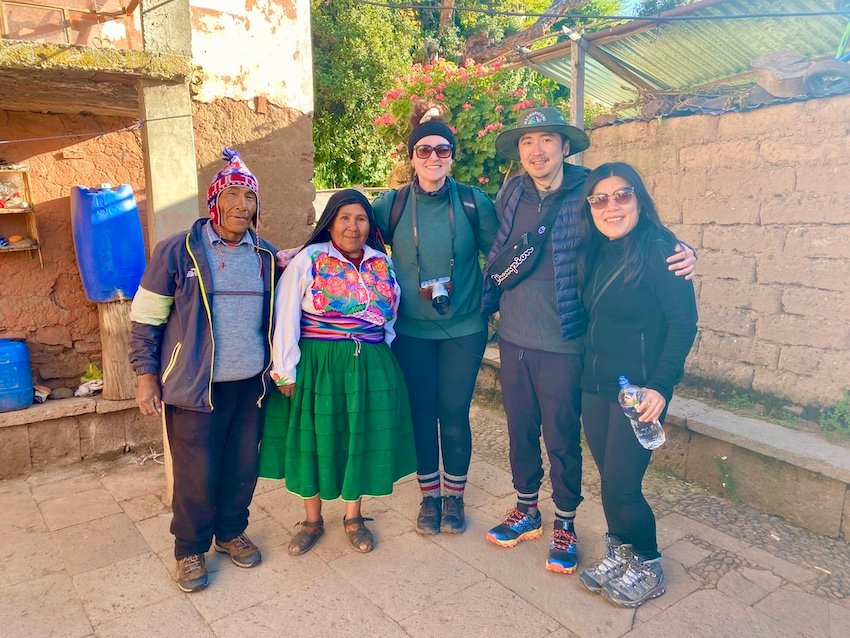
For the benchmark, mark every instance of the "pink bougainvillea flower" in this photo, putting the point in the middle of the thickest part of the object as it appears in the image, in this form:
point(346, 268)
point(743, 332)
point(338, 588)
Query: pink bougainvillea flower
point(466, 106)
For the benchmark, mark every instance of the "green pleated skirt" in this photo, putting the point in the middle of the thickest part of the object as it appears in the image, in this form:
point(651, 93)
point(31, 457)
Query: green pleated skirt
point(347, 430)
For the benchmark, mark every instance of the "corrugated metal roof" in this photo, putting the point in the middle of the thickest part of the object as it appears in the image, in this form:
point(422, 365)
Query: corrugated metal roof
point(685, 55)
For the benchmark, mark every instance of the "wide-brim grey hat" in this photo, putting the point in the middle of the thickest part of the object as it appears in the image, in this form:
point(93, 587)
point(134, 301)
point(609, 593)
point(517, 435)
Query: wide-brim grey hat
point(544, 118)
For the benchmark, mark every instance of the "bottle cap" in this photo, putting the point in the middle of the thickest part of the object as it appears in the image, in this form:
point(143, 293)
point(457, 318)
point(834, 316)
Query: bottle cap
point(623, 380)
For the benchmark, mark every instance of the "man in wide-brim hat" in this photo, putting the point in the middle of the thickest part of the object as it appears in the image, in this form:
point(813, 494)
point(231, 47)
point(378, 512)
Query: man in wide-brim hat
point(542, 322)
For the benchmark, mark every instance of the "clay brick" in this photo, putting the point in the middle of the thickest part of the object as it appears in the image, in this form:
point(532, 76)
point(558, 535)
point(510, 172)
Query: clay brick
point(709, 208)
point(142, 431)
point(806, 208)
point(727, 265)
point(744, 349)
point(823, 177)
point(823, 241)
point(618, 134)
point(831, 365)
point(757, 123)
point(54, 335)
point(55, 442)
point(101, 434)
point(816, 303)
point(14, 451)
point(737, 153)
point(829, 274)
point(735, 294)
point(685, 131)
point(723, 370)
point(745, 239)
point(804, 331)
point(59, 370)
point(734, 321)
point(691, 234)
point(784, 151)
point(799, 389)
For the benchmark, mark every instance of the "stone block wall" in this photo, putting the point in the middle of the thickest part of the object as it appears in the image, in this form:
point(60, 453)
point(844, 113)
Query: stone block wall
point(47, 306)
point(763, 195)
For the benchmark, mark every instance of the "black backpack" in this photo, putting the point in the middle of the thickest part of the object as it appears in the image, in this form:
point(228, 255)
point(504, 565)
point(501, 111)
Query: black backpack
point(467, 198)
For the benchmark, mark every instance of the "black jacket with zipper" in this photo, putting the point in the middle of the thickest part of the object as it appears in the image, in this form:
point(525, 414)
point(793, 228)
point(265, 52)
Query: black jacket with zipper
point(644, 329)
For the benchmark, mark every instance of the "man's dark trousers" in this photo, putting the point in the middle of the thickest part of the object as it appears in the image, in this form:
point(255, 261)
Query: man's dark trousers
point(215, 458)
point(543, 388)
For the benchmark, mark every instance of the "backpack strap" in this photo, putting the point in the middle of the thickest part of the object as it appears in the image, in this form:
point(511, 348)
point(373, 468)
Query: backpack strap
point(467, 198)
point(399, 202)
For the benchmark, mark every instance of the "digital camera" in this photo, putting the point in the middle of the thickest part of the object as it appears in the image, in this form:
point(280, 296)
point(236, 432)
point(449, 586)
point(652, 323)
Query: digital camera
point(439, 290)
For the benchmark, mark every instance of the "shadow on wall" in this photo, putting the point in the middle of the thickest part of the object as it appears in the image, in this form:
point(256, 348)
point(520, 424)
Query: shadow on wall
point(278, 148)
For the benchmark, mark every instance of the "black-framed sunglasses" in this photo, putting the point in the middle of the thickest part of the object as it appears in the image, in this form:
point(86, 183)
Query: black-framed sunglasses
point(423, 151)
point(621, 196)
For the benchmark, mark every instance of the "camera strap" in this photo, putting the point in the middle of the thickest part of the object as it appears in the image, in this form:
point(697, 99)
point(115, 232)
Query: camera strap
point(415, 220)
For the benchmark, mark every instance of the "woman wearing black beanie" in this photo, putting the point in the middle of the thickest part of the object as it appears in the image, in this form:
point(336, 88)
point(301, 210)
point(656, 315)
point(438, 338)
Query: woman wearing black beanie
point(437, 228)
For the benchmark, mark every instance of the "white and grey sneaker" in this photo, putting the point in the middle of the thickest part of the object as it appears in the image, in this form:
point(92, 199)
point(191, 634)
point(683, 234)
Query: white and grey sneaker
point(613, 565)
point(642, 581)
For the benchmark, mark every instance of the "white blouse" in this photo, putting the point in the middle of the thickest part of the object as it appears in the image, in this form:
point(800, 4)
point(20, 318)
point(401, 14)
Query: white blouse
point(322, 281)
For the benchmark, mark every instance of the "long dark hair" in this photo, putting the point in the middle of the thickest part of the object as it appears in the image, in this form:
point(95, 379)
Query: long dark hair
point(638, 242)
point(338, 200)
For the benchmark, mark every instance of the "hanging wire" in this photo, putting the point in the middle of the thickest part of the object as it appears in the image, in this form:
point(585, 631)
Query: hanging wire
point(655, 18)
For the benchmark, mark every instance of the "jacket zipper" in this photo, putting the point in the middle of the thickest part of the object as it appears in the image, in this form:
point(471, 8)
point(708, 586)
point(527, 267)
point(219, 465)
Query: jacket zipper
point(271, 318)
point(209, 318)
point(172, 361)
point(643, 356)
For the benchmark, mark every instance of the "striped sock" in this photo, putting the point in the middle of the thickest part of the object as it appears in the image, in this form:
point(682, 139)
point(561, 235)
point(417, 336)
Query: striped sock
point(429, 484)
point(568, 518)
point(526, 503)
point(454, 485)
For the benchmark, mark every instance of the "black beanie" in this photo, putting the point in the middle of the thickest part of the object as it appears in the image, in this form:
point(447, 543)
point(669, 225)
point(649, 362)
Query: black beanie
point(431, 127)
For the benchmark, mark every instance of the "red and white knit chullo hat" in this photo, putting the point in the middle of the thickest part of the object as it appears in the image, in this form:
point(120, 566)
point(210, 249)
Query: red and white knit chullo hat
point(234, 173)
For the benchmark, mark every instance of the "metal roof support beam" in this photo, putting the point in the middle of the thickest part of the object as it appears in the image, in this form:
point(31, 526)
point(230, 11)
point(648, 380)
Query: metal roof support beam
point(609, 61)
point(577, 92)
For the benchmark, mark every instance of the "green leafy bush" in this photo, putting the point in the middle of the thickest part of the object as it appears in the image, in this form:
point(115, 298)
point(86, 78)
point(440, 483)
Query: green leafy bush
point(482, 100)
point(838, 418)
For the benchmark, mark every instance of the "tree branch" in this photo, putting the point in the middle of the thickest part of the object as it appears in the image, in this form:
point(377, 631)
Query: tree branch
point(484, 51)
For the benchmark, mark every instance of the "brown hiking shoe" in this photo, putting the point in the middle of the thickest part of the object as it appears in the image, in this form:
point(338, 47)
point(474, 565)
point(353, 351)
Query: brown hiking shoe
point(242, 551)
point(192, 573)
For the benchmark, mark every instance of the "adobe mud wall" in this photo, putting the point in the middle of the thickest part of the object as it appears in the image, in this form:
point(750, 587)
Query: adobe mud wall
point(763, 195)
point(47, 306)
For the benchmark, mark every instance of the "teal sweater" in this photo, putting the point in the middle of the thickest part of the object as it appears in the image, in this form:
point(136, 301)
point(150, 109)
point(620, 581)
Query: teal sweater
point(416, 317)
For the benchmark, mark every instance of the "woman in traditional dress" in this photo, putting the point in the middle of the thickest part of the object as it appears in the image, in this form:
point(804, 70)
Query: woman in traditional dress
point(340, 426)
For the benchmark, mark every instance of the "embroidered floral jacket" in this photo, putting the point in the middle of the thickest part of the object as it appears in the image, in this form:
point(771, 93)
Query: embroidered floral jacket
point(321, 281)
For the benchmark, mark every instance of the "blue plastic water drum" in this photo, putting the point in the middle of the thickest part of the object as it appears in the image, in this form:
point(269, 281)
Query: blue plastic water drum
point(15, 376)
point(108, 241)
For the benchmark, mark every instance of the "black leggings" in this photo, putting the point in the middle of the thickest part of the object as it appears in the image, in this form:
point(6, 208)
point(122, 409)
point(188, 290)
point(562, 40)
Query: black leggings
point(622, 462)
point(440, 376)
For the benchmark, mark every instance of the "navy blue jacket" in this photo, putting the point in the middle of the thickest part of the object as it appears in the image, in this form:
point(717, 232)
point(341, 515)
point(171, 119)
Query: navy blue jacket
point(566, 237)
point(171, 334)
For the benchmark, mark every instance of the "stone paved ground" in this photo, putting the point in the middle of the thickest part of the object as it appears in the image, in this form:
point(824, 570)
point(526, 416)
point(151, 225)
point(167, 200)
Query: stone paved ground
point(86, 552)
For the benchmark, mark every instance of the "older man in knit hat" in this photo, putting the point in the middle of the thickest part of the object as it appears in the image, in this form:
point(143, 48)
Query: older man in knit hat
point(201, 349)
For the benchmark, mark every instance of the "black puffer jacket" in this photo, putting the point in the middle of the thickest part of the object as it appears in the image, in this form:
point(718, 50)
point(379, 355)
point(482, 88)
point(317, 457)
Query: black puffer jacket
point(565, 237)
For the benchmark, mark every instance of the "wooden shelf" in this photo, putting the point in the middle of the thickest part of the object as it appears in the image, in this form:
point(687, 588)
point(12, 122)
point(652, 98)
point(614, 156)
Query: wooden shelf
point(16, 249)
point(27, 219)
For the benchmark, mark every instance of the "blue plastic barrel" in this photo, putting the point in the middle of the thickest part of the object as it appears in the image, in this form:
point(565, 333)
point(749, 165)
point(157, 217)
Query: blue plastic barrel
point(15, 376)
point(108, 241)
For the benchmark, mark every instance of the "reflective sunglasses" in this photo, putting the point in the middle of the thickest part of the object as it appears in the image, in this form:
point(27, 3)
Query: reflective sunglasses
point(621, 196)
point(442, 150)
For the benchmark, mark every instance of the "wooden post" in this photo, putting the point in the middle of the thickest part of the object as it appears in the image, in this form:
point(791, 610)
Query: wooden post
point(577, 92)
point(119, 382)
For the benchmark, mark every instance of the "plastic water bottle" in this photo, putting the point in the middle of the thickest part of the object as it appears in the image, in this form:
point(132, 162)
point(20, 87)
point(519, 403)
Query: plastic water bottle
point(650, 434)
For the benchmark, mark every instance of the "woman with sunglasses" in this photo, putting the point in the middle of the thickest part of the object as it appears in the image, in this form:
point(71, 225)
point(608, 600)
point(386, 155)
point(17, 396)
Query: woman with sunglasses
point(642, 323)
point(436, 239)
